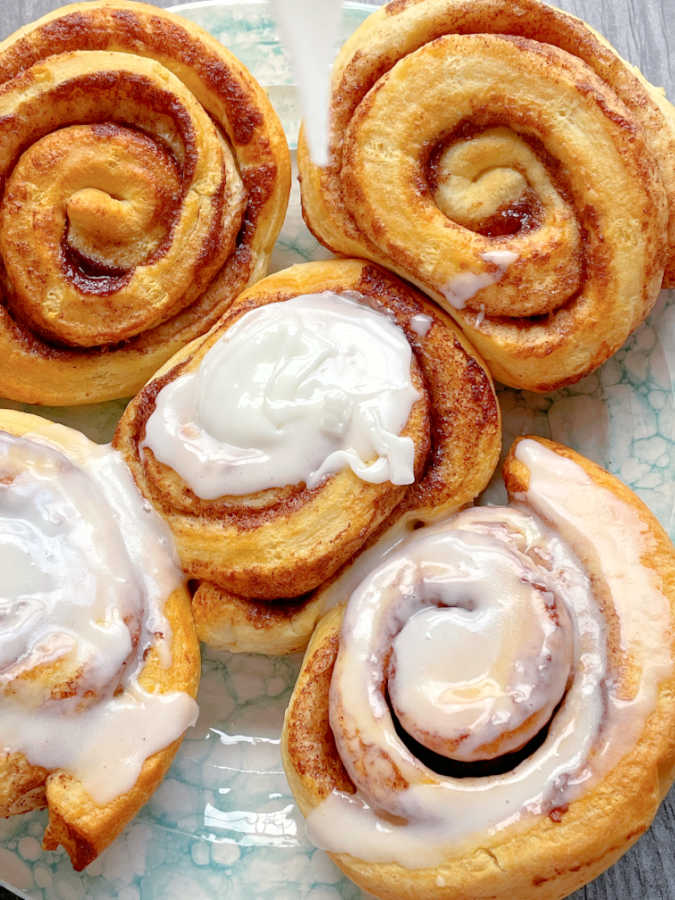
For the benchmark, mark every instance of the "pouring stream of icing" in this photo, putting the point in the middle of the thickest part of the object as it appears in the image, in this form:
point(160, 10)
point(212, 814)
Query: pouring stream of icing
point(309, 31)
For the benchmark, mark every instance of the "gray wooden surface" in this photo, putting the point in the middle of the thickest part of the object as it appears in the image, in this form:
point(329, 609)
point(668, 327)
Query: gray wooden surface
point(644, 33)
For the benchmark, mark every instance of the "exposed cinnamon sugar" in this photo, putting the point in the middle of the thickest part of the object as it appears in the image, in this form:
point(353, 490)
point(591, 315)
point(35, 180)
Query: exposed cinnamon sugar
point(240, 113)
point(310, 741)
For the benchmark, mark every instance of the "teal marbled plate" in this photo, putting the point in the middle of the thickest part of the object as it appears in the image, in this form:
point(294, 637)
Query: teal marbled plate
point(223, 823)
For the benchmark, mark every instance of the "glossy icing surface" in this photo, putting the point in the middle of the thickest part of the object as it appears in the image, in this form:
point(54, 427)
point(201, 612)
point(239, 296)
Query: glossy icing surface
point(485, 656)
point(292, 392)
point(87, 566)
point(436, 602)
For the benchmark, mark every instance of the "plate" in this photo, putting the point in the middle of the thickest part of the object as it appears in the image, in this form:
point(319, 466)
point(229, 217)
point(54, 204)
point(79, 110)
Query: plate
point(223, 823)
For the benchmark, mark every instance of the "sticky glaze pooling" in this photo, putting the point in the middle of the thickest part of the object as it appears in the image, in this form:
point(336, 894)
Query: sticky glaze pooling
point(321, 372)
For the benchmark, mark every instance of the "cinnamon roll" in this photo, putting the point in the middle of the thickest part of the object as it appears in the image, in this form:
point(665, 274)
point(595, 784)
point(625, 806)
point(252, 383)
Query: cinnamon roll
point(145, 178)
point(332, 400)
point(489, 711)
point(501, 156)
point(99, 661)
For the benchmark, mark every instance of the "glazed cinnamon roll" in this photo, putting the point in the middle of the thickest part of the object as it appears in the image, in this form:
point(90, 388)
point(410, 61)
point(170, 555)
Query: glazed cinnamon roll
point(489, 712)
point(332, 400)
point(145, 178)
point(99, 661)
point(501, 156)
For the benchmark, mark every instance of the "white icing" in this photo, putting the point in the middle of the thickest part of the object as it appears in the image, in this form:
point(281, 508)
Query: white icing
point(467, 284)
point(340, 589)
point(501, 258)
point(87, 565)
point(309, 31)
point(609, 531)
point(495, 652)
point(292, 392)
point(421, 324)
point(592, 728)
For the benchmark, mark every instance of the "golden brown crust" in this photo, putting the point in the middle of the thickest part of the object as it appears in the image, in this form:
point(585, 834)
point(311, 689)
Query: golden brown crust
point(559, 853)
point(571, 297)
point(311, 760)
point(245, 625)
point(83, 827)
point(284, 542)
point(75, 821)
point(22, 785)
point(155, 113)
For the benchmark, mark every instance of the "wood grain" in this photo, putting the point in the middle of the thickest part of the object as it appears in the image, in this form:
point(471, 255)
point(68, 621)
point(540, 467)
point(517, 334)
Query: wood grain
point(642, 31)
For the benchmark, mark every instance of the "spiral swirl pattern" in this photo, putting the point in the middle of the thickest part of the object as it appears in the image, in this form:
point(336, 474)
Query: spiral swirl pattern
point(463, 701)
point(488, 687)
point(468, 635)
point(250, 549)
point(99, 661)
point(44, 555)
point(145, 179)
point(502, 157)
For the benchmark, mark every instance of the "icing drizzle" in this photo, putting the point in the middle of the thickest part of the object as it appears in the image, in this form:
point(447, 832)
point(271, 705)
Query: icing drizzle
point(292, 392)
point(87, 565)
point(458, 570)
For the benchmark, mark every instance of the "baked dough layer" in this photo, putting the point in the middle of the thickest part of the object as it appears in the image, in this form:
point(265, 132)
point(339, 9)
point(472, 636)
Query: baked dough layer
point(285, 542)
point(505, 159)
point(146, 179)
point(548, 856)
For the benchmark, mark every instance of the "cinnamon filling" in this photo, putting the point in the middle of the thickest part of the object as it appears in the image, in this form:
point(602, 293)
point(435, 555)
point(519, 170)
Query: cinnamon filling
point(524, 212)
point(90, 276)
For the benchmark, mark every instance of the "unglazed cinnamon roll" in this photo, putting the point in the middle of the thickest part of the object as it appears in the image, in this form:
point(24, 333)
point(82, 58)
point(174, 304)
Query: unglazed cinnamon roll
point(502, 156)
point(145, 180)
point(99, 661)
point(332, 400)
point(490, 712)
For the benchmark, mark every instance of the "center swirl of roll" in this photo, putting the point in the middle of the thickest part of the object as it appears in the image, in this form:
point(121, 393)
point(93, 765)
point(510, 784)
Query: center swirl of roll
point(473, 638)
point(294, 391)
point(479, 667)
point(73, 599)
point(121, 200)
point(502, 186)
